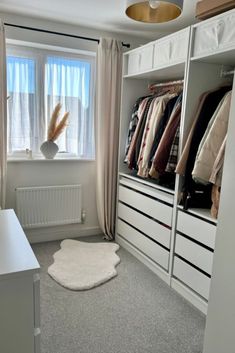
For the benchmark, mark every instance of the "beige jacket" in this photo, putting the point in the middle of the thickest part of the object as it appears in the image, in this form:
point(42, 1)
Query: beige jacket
point(206, 158)
point(151, 126)
point(181, 165)
point(217, 170)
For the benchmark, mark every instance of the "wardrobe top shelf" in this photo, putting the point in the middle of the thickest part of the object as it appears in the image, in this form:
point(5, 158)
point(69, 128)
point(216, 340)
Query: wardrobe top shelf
point(168, 72)
point(16, 255)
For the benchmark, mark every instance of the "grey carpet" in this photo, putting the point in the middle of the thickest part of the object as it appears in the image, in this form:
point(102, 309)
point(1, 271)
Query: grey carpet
point(135, 312)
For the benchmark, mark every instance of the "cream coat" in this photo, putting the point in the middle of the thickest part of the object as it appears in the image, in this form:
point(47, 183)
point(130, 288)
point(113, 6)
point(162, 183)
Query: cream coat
point(205, 160)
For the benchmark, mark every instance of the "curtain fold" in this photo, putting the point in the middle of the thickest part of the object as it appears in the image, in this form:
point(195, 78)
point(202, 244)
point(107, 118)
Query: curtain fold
point(3, 117)
point(108, 96)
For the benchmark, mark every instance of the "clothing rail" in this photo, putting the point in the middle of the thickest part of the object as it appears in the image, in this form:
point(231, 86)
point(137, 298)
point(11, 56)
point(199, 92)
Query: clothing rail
point(166, 84)
point(127, 45)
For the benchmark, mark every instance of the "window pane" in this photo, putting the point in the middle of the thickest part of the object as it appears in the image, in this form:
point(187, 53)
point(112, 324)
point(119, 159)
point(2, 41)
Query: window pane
point(22, 129)
point(68, 81)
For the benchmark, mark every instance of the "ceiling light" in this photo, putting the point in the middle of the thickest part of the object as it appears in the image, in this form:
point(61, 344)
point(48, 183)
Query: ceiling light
point(154, 4)
point(154, 11)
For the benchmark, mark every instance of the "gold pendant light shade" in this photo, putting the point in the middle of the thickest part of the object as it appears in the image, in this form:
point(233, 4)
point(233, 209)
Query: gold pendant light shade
point(153, 11)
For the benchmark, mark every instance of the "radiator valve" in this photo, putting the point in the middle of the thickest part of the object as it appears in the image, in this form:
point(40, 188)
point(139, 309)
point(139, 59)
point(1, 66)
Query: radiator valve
point(83, 216)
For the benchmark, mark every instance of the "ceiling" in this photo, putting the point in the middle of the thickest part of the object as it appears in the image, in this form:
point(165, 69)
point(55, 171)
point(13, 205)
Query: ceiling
point(106, 15)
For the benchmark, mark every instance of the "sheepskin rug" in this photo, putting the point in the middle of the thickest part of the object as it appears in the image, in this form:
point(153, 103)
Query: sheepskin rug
point(80, 265)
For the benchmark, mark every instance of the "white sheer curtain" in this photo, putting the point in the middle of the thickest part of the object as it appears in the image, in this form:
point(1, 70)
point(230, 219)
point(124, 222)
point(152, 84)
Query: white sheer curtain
point(24, 124)
point(68, 81)
point(36, 82)
point(3, 117)
point(109, 68)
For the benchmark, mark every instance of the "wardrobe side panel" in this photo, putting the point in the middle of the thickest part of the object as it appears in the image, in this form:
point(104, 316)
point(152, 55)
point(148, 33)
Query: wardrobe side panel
point(219, 334)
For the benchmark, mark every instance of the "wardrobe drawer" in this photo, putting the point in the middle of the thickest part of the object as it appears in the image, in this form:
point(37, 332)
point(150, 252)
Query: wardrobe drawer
point(215, 34)
point(193, 278)
point(147, 205)
point(140, 60)
point(194, 253)
point(148, 190)
point(145, 245)
point(173, 48)
point(146, 225)
point(197, 229)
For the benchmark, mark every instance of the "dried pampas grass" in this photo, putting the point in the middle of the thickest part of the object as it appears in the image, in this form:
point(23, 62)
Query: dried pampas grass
point(54, 129)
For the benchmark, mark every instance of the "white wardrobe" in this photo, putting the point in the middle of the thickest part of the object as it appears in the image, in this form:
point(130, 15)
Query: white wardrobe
point(177, 245)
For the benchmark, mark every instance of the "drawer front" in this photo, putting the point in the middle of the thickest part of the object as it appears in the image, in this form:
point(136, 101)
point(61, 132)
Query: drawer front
point(146, 225)
point(147, 246)
point(215, 34)
point(148, 190)
point(146, 58)
point(194, 253)
point(173, 48)
point(197, 229)
point(193, 278)
point(151, 207)
point(133, 62)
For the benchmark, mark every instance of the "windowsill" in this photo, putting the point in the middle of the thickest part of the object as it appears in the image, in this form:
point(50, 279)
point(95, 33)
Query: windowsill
point(11, 159)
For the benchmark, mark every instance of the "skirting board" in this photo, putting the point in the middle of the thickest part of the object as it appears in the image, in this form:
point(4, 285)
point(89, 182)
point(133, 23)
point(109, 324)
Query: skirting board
point(44, 234)
point(144, 259)
point(189, 295)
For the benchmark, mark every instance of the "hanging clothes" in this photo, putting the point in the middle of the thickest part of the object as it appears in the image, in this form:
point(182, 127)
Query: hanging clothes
point(161, 127)
point(158, 108)
point(196, 195)
point(215, 198)
point(181, 165)
point(212, 141)
point(173, 157)
point(133, 124)
point(216, 175)
point(163, 151)
point(131, 155)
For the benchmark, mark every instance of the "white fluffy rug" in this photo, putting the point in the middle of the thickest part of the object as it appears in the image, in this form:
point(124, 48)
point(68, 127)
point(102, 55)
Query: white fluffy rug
point(80, 265)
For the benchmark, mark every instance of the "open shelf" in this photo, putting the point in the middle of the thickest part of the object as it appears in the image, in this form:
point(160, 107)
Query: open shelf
point(203, 213)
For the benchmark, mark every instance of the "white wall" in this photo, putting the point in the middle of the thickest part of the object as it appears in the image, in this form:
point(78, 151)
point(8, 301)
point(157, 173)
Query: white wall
point(68, 42)
point(38, 173)
point(42, 173)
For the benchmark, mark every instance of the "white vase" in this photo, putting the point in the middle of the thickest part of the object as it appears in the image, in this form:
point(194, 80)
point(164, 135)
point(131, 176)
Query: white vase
point(49, 149)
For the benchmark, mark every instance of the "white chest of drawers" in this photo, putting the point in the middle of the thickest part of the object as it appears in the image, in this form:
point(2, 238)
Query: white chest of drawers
point(19, 289)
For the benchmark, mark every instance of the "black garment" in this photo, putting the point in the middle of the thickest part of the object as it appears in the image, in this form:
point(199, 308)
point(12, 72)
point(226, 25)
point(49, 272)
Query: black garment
point(194, 194)
point(161, 127)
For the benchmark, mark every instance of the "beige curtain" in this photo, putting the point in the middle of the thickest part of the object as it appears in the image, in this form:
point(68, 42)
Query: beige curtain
point(3, 117)
point(108, 93)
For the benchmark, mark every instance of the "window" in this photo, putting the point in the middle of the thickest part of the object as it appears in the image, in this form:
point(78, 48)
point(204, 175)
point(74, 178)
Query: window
point(37, 79)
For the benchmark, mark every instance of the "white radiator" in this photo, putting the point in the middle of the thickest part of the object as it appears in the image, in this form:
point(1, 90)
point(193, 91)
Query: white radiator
point(48, 205)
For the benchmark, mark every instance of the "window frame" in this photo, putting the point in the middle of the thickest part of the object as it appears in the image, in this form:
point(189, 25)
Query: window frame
point(39, 52)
